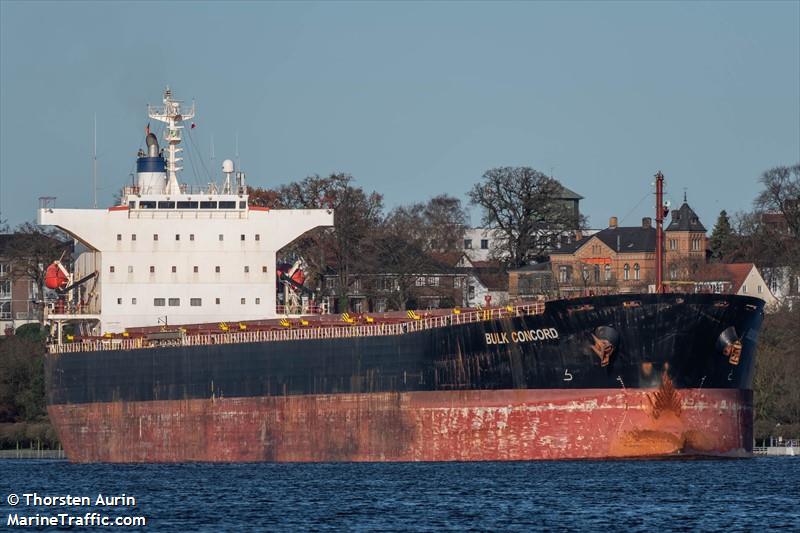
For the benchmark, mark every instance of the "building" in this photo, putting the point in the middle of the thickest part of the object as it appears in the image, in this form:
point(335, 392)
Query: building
point(531, 282)
point(734, 278)
point(486, 282)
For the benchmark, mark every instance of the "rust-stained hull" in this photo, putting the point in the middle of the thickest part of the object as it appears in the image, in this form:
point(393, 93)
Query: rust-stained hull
point(487, 425)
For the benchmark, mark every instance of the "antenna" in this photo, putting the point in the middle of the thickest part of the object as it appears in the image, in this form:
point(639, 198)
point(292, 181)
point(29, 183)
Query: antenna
point(94, 162)
point(212, 150)
point(238, 161)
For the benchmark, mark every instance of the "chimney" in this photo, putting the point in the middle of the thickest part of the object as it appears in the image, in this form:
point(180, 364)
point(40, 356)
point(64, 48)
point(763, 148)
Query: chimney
point(578, 235)
point(647, 222)
point(612, 222)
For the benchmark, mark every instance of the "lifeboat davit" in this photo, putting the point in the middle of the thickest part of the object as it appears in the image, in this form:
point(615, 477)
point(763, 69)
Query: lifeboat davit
point(298, 276)
point(54, 277)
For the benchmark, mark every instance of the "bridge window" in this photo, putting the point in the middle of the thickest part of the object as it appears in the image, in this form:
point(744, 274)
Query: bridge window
point(187, 205)
point(174, 302)
point(166, 205)
point(159, 302)
point(227, 205)
point(208, 205)
point(147, 205)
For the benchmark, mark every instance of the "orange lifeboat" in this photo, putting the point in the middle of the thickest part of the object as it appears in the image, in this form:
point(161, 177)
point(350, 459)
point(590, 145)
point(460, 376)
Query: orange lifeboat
point(55, 278)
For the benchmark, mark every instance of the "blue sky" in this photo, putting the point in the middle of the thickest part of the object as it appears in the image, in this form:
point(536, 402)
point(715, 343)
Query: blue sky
point(413, 99)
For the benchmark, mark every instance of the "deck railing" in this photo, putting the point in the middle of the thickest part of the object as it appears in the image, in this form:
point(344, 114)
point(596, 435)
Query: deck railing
point(303, 332)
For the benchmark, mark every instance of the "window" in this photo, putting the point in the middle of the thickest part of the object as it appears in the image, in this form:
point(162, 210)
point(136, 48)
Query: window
point(133, 301)
point(4, 269)
point(420, 282)
point(216, 269)
point(159, 302)
point(5, 310)
point(563, 274)
point(133, 236)
point(174, 302)
point(457, 283)
point(242, 237)
point(468, 244)
point(119, 236)
point(191, 236)
point(264, 269)
point(174, 269)
point(152, 269)
point(155, 236)
point(758, 289)
point(597, 273)
point(119, 301)
point(195, 302)
point(216, 301)
point(673, 244)
point(177, 236)
point(111, 269)
point(258, 237)
point(196, 269)
point(243, 301)
point(330, 283)
point(673, 271)
point(626, 272)
point(247, 270)
point(130, 269)
point(221, 237)
point(744, 288)
point(433, 281)
point(608, 272)
point(5, 289)
point(484, 244)
point(636, 274)
point(258, 301)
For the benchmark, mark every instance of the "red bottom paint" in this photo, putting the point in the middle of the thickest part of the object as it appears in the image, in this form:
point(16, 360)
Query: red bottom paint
point(497, 425)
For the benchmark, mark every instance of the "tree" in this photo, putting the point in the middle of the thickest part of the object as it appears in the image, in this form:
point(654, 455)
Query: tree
point(30, 252)
point(723, 241)
point(344, 247)
point(781, 194)
point(526, 209)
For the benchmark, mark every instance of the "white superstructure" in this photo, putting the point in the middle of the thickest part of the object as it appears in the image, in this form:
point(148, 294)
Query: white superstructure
point(167, 254)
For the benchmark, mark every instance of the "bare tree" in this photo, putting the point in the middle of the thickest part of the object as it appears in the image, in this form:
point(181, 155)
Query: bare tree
point(526, 209)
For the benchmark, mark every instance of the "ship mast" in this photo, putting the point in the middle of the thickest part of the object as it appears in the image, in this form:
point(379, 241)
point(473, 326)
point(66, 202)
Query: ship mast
point(171, 115)
point(659, 232)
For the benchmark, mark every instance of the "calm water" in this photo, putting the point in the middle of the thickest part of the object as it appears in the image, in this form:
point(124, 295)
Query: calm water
point(635, 496)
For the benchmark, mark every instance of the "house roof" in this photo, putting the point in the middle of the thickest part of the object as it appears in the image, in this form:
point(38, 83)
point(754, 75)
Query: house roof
point(735, 273)
point(620, 239)
point(494, 277)
point(685, 219)
point(568, 194)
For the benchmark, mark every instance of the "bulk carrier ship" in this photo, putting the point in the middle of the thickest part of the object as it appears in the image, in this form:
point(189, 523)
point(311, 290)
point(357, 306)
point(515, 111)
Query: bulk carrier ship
point(184, 357)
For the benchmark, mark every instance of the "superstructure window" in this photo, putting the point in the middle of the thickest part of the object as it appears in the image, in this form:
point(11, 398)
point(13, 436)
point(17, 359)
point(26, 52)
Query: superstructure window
point(227, 205)
point(264, 269)
point(147, 205)
point(258, 237)
point(159, 302)
point(208, 205)
point(155, 236)
point(166, 205)
point(177, 236)
point(119, 301)
point(242, 205)
point(221, 237)
point(191, 236)
point(246, 269)
point(242, 237)
point(217, 301)
point(187, 205)
point(111, 269)
point(244, 301)
point(133, 301)
point(133, 236)
point(258, 301)
point(130, 269)
point(174, 269)
point(216, 269)
point(174, 302)
point(119, 236)
point(196, 269)
point(152, 269)
point(195, 302)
